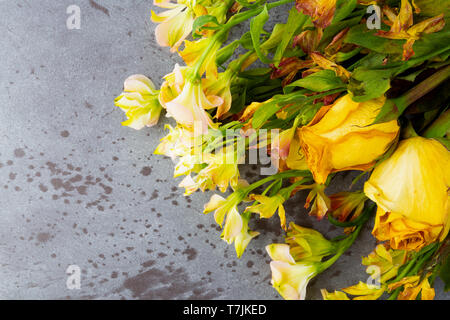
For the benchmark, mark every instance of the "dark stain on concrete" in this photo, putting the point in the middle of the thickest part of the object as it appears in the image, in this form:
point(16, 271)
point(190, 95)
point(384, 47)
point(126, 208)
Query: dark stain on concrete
point(101, 8)
point(155, 284)
point(19, 153)
point(146, 171)
point(43, 237)
point(191, 253)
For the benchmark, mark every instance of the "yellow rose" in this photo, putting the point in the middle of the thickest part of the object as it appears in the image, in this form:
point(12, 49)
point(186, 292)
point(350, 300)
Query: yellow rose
point(411, 191)
point(341, 137)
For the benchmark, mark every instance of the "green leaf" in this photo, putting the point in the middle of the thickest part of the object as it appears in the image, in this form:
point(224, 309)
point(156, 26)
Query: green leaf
point(366, 84)
point(433, 8)
point(238, 102)
point(334, 28)
point(226, 52)
point(343, 9)
point(444, 273)
point(249, 5)
point(393, 108)
point(200, 22)
point(343, 56)
point(256, 28)
point(274, 38)
point(269, 108)
point(264, 113)
point(366, 38)
point(320, 81)
point(295, 21)
point(440, 127)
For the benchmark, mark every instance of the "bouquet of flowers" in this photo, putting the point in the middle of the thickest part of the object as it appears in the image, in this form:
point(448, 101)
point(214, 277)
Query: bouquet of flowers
point(340, 85)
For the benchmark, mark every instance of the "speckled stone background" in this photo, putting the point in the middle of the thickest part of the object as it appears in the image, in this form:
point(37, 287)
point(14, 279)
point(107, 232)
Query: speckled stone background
point(77, 188)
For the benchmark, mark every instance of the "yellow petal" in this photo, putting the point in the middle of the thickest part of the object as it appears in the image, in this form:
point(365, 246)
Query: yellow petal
point(343, 137)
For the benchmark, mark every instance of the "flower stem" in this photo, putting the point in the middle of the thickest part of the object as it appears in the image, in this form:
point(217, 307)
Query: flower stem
point(282, 175)
point(439, 127)
point(220, 35)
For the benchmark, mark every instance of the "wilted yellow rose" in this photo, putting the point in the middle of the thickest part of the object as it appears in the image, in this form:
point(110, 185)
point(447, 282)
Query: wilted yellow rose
point(411, 191)
point(341, 137)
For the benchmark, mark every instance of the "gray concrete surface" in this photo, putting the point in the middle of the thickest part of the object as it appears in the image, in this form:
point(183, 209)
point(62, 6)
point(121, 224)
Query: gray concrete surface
point(77, 188)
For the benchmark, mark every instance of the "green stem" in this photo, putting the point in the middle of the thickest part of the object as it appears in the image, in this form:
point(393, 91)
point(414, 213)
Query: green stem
point(409, 132)
point(393, 108)
point(344, 245)
point(439, 127)
point(422, 88)
point(282, 175)
point(411, 269)
point(234, 20)
point(360, 220)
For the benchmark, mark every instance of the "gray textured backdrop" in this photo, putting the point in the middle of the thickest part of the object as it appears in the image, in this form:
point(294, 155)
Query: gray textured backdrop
point(77, 188)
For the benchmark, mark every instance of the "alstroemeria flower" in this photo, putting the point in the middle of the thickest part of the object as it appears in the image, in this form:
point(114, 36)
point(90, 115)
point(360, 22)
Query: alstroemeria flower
point(236, 226)
point(222, 169)
point(402, 27)
point(320, 11)
point(140, 102)
point(412, 286)
point(236, 230)
point(187, 163)
point(336, 295)
point(288, 68)
point(244, 237)
point(308, 40)
point(321, 202)
point(268, 206)
point(345, 203)
point(177, 143)
point(342, 137)
point(364, 291)
point(173, 84)
point(326, 64)
point(193, 51)
point(308, 244)
point(188, 109)
point(411, 191)
point(290, 278)
point(175, 24)
point(281, 143)
point(387, 260)
point(220, 87)
point(222, 206)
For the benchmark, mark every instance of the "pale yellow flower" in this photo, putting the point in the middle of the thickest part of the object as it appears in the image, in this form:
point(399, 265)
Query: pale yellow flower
point(174, 25)
point(177, 143)
point(290, 278)
point(140, 102)
point(267, 207)
point(189, 108)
